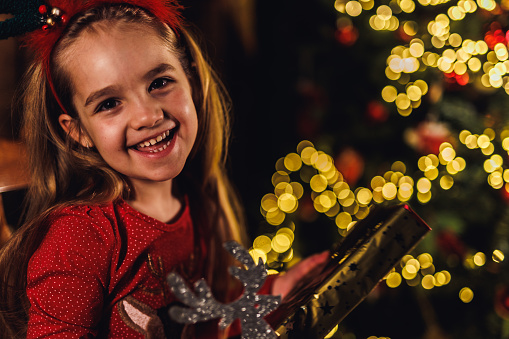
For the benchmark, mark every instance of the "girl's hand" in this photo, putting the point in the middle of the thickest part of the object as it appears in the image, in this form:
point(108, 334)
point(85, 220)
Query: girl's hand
point(284, 283)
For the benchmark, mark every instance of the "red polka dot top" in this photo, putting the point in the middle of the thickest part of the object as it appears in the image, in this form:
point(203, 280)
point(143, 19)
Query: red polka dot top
point(101, 271)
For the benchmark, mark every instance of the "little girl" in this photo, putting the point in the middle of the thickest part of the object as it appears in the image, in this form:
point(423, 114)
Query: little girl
point(126, 128)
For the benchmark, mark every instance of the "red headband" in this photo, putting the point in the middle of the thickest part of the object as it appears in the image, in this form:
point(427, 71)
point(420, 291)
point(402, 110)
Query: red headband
point(58, 12)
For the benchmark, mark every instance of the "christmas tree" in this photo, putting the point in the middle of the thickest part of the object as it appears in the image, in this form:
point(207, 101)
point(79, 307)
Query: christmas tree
point(387, 102)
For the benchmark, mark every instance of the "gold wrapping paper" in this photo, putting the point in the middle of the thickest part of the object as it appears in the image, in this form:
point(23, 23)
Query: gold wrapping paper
point(364, 257)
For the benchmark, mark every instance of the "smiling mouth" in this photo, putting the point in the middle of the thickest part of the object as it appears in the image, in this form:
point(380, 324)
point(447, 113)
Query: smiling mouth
point(157, 144)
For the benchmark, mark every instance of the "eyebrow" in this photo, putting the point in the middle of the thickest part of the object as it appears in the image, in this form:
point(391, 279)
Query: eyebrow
point(161, 68)
point(108, 91)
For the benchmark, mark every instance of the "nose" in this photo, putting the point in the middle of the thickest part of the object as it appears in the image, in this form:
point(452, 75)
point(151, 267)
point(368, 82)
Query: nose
point(146, 113)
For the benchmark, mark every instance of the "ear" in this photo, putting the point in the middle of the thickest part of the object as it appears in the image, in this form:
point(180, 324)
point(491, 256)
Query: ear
point(70, 126)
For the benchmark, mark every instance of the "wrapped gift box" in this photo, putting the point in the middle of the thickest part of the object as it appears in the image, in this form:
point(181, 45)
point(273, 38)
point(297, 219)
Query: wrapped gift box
point(365, 256)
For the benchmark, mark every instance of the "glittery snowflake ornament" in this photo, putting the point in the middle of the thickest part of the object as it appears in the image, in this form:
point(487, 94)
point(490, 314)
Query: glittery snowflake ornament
point(250, 308)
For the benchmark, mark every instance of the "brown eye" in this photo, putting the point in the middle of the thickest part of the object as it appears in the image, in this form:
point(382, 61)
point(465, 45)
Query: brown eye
point(108, 105)
point(158, 83)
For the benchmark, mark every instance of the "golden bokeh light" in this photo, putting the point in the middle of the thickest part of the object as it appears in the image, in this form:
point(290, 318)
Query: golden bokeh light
point(262, 243)
point(479, 259)
point(287, 203)
point(428, 282)
point(281, 243)
point(498, 256)
point(466, 295)
point(343, 219)
point(293, 162)
point(423, 185)
point(353, 8)
point(393, 279)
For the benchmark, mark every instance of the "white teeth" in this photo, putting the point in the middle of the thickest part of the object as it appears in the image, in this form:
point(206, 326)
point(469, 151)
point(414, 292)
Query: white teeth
point(165, 146)
point(154, 141)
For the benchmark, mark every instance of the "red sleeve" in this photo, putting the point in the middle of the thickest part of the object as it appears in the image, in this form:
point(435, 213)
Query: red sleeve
point(267, 286)
point(67, 278)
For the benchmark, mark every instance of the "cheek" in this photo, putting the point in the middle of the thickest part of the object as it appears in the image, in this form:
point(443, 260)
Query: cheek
point(106, 137)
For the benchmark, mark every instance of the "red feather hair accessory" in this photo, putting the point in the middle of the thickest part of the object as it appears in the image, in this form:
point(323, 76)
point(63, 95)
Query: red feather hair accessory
point(42, 41)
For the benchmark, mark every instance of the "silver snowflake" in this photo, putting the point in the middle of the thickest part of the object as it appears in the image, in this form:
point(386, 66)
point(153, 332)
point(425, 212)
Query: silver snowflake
point(250, 308)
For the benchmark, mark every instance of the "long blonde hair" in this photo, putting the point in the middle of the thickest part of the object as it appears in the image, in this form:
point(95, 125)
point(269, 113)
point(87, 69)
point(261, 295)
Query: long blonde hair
point(64, 173)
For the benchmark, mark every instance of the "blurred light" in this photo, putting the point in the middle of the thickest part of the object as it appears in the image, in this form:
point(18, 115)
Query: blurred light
point(424, 197)
point(446, 182)
point(398, 166)
point(471, 141)
point(409, 272)
point(280, 176)
point(448, 154)
point(318, 183)
point(479, 259)
point(431, 173)
point(393, 279)
point(414, 93)
point(323, 162)
point(275, 217)
point(269, 202)
point(408, 6)
point(287, 203)
point(410, 28)
point(428, 282)
point(353, 8)
point(343, 219)
point(463, 136)
point(304, 144)
point(447, 277)
point(466, 295)
point(384, 12)
point(297, 189)
point(293, 162)
point(367, 4)
point(389, 93)
point(262, 243)
point(425, 260)
point(281, 243)
point(440, 279)
point(339, 5)
point(498, 256)
point(402, 101)
point(423, 185)
point(364, 196)
point(377, 181)
point(389, 191)
point(308, 153)
point(481, 47)
point(455, 40)
point(488, 5)
point(405, 192)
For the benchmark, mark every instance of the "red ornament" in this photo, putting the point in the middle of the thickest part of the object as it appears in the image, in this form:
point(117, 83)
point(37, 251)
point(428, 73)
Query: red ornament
point(351, 164)
point(43, 9)
point(45, 27)
point(427, 137)
point(451, 245)
point(501, 302)
point(495, 35)
point(377, 111)
point(64, 19)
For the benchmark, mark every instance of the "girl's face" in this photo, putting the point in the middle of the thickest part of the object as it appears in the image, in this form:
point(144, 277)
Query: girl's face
point(134, 101)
